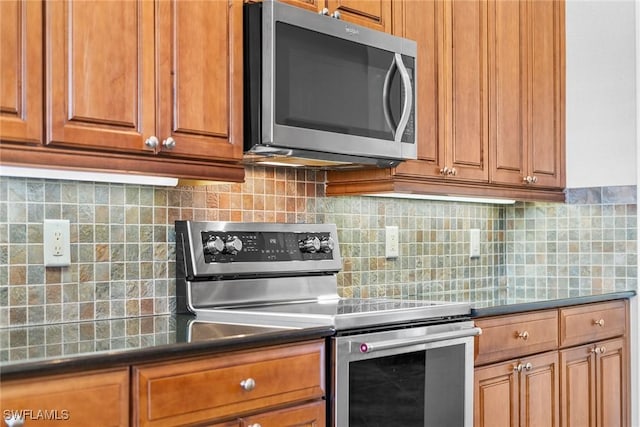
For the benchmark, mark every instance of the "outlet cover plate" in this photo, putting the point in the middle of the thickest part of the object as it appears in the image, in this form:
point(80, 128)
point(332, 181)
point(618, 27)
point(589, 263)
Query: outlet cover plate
point(57, 244)
point(474, 243)
point(392, 242)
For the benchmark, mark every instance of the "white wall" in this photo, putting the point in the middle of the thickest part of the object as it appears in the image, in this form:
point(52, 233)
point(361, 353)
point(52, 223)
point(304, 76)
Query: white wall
point(601, 93)
point(603, 87)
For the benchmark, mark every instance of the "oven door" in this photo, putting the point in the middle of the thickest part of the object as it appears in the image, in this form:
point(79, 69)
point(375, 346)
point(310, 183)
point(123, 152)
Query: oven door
point(412, 377)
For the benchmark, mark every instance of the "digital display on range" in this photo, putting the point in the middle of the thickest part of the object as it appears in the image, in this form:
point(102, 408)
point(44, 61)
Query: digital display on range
point(265, 246)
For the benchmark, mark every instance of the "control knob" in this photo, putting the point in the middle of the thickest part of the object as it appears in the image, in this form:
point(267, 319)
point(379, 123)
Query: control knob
point(310, 245)
point(233, 245)
point(214, 245)
point(326, 244)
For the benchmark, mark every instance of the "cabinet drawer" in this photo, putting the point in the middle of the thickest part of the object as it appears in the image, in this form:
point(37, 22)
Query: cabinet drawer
point(587, 323)
point(232, 384)
point(507, 337)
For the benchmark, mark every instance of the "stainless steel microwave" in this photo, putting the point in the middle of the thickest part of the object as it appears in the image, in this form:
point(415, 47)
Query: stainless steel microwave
point(323, 92)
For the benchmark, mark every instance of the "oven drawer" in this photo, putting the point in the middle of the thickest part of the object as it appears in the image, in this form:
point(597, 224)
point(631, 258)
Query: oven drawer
point(227, 385)
point(593, 322)
point(508, 337)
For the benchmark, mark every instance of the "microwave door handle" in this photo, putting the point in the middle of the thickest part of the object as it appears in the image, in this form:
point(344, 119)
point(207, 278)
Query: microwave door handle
point(386, 103)
point(408, 97)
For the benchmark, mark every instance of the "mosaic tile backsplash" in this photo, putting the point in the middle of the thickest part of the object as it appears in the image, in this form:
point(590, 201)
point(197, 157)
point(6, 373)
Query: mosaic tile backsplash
point(123, 260)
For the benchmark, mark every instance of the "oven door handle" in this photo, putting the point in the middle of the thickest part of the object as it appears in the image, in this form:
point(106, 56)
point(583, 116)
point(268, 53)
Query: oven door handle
point(405, 342)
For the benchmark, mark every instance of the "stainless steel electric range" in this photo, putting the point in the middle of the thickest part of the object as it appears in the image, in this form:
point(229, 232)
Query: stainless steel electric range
point(393, 362)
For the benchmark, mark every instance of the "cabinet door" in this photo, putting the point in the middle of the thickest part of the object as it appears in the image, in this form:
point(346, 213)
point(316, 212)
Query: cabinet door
point(375, 14)
point(99, 398)
point(100, 74)
point(422, 21)
point(507, 91)
point(496, 395)
point(309, 415)
point(578, 387)
point(311, 5)
point(199, 48)
point(611, 384)
point(546, 92)
point(465, 89)
point(21, 71)
point(539, 391)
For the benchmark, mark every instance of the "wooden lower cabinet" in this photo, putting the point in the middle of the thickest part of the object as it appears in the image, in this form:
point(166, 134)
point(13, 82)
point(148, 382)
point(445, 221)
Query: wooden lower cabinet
point(310, 415)
point(564, 367)
point(266, 387)
point(594, 381)
point(98, 398)
point(519, 392)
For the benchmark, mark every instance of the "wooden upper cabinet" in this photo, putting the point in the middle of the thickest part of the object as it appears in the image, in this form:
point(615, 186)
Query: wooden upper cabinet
point(374, 14)
point(452, 93)
point(21, 95)
point(100, 74)
point(422, 22)
point(507, 86)
point(490, 107)
point(546, 92)
point(527, 92)
point(135, 76)
point(465, 90)
point(199, 50)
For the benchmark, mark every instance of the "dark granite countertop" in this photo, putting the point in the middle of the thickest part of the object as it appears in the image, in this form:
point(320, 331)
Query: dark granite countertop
point(506, 306)
point(78, 346)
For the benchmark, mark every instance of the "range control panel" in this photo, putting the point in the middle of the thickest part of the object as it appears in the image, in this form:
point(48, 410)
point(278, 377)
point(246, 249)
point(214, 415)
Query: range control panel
point(262, 246)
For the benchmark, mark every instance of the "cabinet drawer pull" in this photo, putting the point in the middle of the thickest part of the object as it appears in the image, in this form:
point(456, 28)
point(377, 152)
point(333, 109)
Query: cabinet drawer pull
point(520, 367)
point(169, 143)
point(254, 425)
point(444, 171)
point(599, 322)
point(152, 142)
point(523, 335)
point(248, 384)
point(598, 350)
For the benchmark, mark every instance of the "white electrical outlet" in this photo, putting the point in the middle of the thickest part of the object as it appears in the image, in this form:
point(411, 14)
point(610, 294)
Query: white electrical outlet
point(392, 244)
point(57, 244)
point(474, 243)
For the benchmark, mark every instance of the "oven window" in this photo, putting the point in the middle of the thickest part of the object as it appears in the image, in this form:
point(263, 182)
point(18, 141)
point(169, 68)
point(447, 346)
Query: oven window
point(424, 388)
point(387, 391)
point(334, 85)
